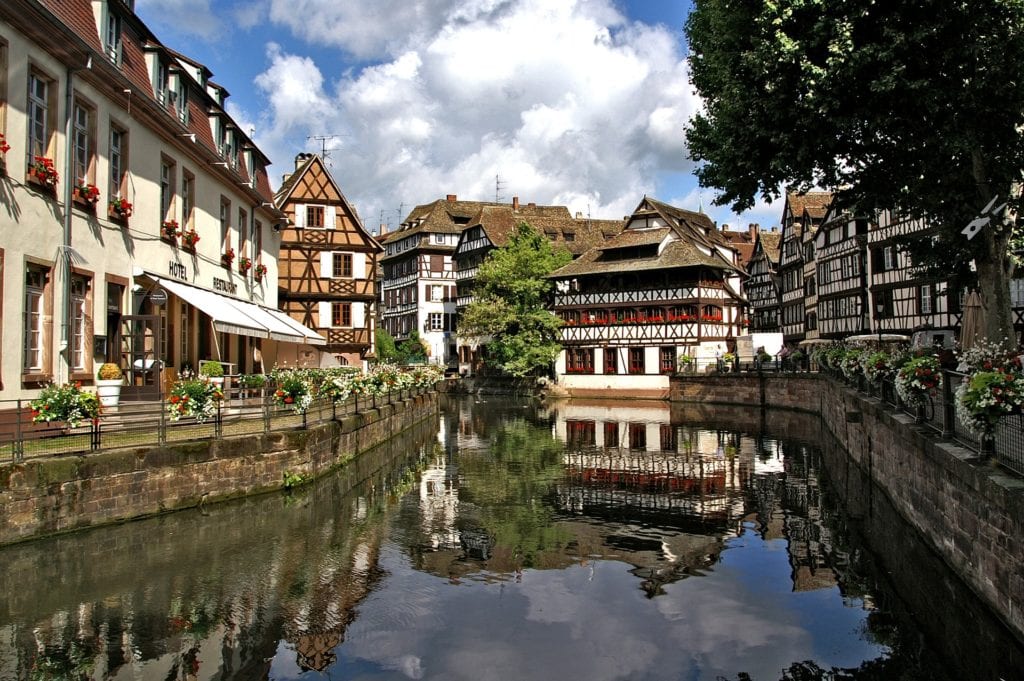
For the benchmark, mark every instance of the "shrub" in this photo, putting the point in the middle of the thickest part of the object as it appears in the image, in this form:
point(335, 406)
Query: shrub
point(252, 381)
point(110, 372)
point(67, 403)
point(916, 379)
point(196, 397)
point(211, 369)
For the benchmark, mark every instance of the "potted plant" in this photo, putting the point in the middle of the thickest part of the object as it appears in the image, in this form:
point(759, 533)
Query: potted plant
point(251, 384)
point(259, 272)
point(4, 148)
point(169, 231)
point(685, 362)
point(195, 397)
point(244, 264)
point(43, 172)
point(108, 384)
point(189, 239)
point(292, 391)
point(228, 257)
point(87, 193)
point(119, 209)
point(67, 404)
point(917, 379)
point(213, 371)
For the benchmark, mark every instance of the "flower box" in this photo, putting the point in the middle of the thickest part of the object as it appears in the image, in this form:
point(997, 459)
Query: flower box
point(244, 265)
point(259, 272)
point(189, 239)
point(169, 231)
point(228, 257)
point(119, 209)
point(87, 194)
point(42, 172)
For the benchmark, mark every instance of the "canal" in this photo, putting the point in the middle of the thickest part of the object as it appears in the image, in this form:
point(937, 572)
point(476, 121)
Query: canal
point(592, 541)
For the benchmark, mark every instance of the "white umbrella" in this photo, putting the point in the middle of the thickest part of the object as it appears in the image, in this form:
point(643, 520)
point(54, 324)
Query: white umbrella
point(883, 337)
point(971, 324)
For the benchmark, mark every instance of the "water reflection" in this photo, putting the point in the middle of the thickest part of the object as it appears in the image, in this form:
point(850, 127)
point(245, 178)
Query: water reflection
point(585, 540)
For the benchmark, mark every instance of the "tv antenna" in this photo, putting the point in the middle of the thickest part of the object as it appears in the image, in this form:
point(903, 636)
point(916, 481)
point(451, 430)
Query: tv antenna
point(325, 153)
point(499, 185)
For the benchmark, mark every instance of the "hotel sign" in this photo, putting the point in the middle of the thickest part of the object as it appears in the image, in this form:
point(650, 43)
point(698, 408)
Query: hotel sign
point(177, 270)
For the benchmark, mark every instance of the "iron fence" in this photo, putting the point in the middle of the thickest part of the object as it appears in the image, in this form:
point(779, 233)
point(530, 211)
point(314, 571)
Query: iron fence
point(244, 411)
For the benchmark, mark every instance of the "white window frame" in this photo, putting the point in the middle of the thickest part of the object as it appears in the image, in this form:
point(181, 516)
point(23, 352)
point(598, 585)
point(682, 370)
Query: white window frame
point(80, 132)
point(435, 321)
point(79, 289)
point(927, 299)
point(118, 137)
point(38, 116)
point(34, 341)
point(112, 37)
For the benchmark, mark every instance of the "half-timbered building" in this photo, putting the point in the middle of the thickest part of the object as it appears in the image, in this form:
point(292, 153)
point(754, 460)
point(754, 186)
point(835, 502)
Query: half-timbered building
point(801, 216)
point(491, 229)
point(904, 300)
point(762, 286)
point(667, 285)
point(841, 277)
point(418, 278)
point(327, 265)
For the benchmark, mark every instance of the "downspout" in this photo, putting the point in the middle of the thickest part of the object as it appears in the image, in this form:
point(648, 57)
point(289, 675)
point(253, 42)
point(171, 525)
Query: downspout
point(64, 362)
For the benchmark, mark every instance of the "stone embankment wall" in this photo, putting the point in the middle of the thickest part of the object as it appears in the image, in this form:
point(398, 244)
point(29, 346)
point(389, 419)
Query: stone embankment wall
point(968, 510)
point(40, 497)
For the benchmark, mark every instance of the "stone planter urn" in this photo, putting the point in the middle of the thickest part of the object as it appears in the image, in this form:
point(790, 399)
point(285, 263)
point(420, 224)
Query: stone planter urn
point(108, 384)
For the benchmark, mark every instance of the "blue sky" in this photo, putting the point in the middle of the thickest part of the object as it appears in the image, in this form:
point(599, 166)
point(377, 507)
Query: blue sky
point(575, 102)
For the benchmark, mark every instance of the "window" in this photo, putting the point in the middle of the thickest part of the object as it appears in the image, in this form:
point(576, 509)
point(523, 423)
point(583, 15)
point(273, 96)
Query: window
point(888, 258)
point(243, 223)
point(668, 360)
point(611, 434)
point(580, 434)
point(669, 438)
point(611, 361)
point(118, 161)
point(161, 83)
point(185, 331)
point(435, 321)
point(341, 314)
point(188, 198)
point(167, 183)
point(35, 332)
point(314, 216)
point(638, 436)
point(82, 137)
point(580, 360)
point(926, 297)
point(342, 266)
point(79, 323)
point(181, 100)
point(227, 147)
point(439, 238)
point(636, 361)
point(437, 293)
point(112, 38)
point(257, 231)
point(40, 126)
point(225, 223)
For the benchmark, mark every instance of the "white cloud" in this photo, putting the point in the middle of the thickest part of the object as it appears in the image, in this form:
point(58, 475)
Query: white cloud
point(567, 102)
point(195, 17)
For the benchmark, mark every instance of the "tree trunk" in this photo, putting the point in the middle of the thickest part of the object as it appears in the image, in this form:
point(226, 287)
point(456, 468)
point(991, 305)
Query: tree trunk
point(994, 265)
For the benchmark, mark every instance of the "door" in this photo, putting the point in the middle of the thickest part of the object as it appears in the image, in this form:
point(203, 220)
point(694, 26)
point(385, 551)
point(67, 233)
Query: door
point(140, 343)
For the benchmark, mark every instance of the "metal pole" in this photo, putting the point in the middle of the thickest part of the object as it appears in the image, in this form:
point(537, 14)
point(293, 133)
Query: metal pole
point(64, 360)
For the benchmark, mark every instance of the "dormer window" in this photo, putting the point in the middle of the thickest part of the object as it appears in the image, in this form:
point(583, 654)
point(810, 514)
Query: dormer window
point(180, 97)
point(161, 85)
point(112, 38)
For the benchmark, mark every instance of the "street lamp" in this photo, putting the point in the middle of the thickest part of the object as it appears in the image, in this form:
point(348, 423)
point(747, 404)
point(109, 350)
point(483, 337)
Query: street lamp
point(879, 309)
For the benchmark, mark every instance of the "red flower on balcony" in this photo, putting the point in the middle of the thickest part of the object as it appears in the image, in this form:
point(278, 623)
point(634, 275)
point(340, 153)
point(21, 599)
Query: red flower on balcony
point(190, 239)
point(169, 230)
point(244, 265)
point(89, 193)
point(228, 257)
point(120, 208)
point(259, 272)
point(43, 171)
point(4, 146)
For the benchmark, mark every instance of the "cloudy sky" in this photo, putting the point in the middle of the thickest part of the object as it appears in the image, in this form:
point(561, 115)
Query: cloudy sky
point(575, 102)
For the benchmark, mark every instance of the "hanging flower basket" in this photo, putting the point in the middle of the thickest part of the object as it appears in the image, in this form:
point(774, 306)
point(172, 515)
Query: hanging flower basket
point(244, 265)
point(259, 272)
point(228, 257)
point(67, 404)
point(918, 379)
point(195, 397)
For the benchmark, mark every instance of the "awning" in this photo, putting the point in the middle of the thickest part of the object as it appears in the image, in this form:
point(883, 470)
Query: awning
point(231, 315)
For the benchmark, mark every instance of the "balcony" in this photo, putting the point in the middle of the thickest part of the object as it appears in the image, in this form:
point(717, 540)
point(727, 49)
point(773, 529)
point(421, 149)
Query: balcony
point(654, 296)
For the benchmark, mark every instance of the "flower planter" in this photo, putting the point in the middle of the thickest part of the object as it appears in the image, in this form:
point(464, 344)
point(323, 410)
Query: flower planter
point(109, 391)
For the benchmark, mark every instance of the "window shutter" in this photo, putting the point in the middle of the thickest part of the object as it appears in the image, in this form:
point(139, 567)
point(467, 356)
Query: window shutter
point(300, 215)
point(326, 264)
point(358, 315)
point(324, 314)
point(330, 216)
point(359, 266)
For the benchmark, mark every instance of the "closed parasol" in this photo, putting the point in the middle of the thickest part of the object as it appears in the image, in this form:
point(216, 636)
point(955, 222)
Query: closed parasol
point(971, 327)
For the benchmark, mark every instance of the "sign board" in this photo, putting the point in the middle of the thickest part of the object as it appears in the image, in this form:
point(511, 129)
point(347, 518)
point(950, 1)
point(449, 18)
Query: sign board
point(158, 296)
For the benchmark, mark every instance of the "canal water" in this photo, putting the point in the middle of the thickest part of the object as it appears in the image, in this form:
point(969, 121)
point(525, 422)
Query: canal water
point(504, 541)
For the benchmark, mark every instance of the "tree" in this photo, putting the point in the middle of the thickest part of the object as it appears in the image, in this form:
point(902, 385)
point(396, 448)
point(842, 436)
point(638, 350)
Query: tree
point(511, 304)
point(385, 345)
point(412, 349)
point(910, 105)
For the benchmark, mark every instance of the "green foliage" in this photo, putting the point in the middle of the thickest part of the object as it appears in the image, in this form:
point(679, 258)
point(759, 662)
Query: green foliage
point(211, 369)
point(386, 350)
point(412, 349)
point(109, 372)
point(251, 381)
point(904, 105)
point(196, 397)
point(67, 403)
point(293, 479)
point(510, 309)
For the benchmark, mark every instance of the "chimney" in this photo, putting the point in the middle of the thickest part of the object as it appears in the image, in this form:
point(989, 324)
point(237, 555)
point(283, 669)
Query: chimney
point(531, 204)
point(383, 229)
point(301, 158)
point(284, 178)
point(755, 229)
point(452, 198)
point(579, 215)
point(515, 203)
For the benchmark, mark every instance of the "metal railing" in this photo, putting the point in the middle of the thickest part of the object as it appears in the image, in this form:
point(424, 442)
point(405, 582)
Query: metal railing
point(251, 411)
point(938, 413)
